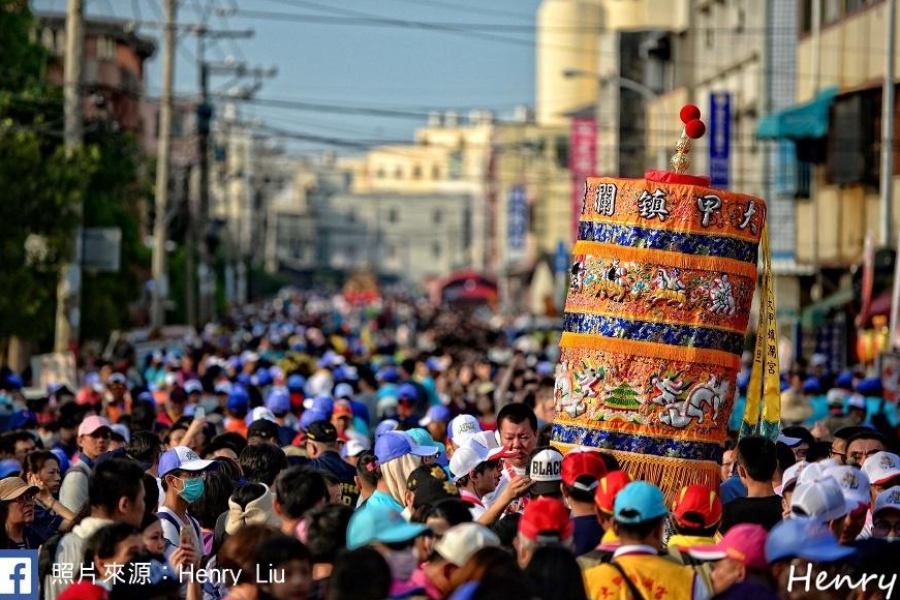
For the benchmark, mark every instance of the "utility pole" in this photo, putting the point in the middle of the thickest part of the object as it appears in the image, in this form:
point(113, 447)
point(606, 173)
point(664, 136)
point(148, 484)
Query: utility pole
point(160, 276)
point(68, 293)
point(199, 230)
point(887, 129)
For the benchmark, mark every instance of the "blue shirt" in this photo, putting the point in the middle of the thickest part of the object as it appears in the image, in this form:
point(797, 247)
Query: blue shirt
point(46, 523)
point(345, 472)
point(379, 498)
point(587, 533)
point(732, 489)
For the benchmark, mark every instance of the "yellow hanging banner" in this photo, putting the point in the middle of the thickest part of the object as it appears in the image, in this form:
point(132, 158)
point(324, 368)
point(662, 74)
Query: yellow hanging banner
point(765, 382)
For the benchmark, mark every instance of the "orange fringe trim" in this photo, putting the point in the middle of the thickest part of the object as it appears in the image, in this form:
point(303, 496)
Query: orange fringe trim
point(669, 474)
point(650, 350)
point(670, 259)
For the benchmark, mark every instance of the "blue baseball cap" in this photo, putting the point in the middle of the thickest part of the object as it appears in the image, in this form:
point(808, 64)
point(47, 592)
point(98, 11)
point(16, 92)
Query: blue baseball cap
point(12, 382)
point(806, 538)
point(407, 391)
point(238, 399)
point(387, 375)
point(311, 416)
point(243, 379)
point(436, 414)
point(844, 380)
point(263, 377)
point(296, 382)
point(23, 419)
point(396, 444)
point(9, 467)
point(343, 390)
point(323, 404)
point(279, 400)
point(185, 459)
point(380, 524)
point(386, 426)
point(870, 387)
point(638, 502)
point(812, 385)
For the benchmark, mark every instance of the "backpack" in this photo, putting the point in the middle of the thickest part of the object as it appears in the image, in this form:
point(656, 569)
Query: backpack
point(46, 558)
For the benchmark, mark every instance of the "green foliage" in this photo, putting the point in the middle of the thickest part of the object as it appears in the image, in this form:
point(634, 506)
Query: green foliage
point(114, 198)
point(40, 188)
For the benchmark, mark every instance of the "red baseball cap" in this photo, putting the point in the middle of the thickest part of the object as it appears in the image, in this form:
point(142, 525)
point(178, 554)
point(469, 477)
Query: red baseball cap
point(609, 486)
point(546, 519)
point(697, 506)
point(745, 543)
point(583, 470)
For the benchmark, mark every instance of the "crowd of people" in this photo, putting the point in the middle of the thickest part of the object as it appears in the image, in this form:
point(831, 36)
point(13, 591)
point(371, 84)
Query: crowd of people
point(309, 449)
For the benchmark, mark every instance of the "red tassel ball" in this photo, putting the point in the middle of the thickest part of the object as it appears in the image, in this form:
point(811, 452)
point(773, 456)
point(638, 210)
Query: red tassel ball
point(695, 129)
point(688, 113)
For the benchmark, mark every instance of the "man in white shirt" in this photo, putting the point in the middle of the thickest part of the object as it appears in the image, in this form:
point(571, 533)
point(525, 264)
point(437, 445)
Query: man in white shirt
point(517, 430)
point(476, 470)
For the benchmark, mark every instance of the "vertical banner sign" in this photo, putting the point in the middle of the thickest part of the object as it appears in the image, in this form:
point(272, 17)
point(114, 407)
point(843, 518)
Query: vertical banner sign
point(517, 225)
point(719, 138)
point(582, 161)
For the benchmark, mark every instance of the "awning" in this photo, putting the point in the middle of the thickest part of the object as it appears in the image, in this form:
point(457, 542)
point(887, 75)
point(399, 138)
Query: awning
point(815, 315)
point(805, 121)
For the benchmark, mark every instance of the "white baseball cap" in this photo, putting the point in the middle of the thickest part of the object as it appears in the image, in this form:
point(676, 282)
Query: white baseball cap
point(792, 474)
point(881, 467)
point(462, 541)
point(192, 386)
point(467, 458)
point(461, 427)
point(887, 500)
point(822, 499)
point(816, 470)
point(854, 483)
point(856, 401)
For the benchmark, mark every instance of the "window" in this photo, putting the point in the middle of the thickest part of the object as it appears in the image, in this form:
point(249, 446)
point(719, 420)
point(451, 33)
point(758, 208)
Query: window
point(805, 8)
point(398, 173)
point(417, 172)
point(106, 48)
point(435, 172)
point(437, 217)
point(436, 250)
point(853, 150)
point(379, 174)
point(393, 216)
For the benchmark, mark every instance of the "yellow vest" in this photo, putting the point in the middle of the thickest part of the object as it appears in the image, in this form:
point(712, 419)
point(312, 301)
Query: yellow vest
point(655, 578)
point(689, 541)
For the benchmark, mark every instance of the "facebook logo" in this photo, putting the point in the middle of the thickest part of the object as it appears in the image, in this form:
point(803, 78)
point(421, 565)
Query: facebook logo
point(18, 574)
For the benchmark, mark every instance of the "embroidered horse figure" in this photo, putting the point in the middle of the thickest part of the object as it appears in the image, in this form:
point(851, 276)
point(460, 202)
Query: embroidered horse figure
point(711, 393)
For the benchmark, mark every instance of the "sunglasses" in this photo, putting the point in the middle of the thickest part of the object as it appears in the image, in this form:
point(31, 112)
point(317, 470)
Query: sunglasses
point(101, 435)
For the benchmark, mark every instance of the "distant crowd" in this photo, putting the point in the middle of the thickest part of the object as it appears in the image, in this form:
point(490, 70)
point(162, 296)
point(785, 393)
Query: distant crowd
point(311, 449)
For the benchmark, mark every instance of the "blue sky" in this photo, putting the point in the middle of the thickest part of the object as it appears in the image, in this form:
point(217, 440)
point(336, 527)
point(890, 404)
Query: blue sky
point(413, 70)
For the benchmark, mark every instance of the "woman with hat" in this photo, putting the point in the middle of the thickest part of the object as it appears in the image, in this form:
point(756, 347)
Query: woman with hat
point(17, 514)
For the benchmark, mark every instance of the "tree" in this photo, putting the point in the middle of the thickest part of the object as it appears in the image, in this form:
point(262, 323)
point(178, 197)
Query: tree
point(40, 184)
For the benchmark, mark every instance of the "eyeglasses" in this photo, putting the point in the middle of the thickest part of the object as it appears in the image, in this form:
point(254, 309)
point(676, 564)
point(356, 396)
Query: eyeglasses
point(883, 528)
point(841, 455)
point(101, 435)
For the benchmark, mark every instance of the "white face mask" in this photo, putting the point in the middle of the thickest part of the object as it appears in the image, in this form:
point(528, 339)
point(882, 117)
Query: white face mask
point(401, 562)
